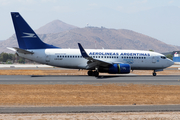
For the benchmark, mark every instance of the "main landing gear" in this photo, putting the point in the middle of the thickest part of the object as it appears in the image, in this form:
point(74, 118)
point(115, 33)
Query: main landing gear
point(93, 73)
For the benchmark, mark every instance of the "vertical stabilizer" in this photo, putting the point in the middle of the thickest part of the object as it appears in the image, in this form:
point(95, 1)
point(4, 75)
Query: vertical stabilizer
point(27, 38)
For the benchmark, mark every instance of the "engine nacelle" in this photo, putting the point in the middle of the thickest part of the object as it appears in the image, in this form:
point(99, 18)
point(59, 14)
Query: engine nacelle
point(117, 69)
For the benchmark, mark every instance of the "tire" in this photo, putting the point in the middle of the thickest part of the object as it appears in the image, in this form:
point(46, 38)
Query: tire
point(96, 74)
point(154, 74)
point(90, 73)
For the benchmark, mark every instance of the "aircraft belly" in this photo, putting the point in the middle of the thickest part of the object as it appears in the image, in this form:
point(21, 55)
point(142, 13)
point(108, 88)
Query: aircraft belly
point(70, 63)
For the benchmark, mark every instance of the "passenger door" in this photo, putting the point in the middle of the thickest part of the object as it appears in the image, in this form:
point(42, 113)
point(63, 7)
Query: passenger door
point(153, 59)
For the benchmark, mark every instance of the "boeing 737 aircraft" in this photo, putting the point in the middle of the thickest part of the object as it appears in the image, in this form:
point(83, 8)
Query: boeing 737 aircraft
point(94, 60)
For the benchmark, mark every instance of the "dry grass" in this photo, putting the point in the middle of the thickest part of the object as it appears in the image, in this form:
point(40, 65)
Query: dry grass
point(149, 72)
point(77, 72)
point(42, 72)
point(105, 94)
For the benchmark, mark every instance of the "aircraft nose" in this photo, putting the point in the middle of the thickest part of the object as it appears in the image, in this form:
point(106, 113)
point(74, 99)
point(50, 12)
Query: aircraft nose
point(170, 62)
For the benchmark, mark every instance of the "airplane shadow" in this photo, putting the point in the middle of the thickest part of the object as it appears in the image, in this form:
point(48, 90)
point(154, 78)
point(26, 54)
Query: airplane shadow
point(105, 76)
point(112, 76)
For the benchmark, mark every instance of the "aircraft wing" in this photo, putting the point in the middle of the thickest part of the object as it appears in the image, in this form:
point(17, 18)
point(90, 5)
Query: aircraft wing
point(19, 50)
point(93, 62)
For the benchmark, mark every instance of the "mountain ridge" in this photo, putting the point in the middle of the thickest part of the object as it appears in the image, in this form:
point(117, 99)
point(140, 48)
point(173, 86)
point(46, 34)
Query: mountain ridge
point(89, 37)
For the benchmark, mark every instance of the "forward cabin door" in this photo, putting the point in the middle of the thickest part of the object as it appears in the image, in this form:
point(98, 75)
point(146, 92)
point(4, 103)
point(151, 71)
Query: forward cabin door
point(153, 59)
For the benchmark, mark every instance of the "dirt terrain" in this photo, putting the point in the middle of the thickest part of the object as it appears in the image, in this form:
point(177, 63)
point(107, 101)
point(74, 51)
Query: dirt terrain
point(97, 94)
point(95, 116)
point(76, 72)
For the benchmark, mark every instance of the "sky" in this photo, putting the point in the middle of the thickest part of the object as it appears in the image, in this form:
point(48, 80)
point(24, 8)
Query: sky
point(156, 18)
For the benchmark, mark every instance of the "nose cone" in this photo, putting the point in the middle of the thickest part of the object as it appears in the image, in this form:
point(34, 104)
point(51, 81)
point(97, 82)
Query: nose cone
point(169, 63)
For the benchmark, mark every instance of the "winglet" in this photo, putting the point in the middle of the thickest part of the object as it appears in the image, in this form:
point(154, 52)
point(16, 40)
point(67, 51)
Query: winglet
point(83, 52)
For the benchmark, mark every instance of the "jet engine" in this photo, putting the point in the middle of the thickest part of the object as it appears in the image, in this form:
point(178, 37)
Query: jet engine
point(117, 69)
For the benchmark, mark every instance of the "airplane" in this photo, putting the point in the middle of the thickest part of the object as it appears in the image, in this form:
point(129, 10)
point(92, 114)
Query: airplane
point(94, 60)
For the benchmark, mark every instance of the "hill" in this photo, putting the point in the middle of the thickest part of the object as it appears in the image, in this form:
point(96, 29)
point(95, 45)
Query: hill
point(55, 26)
point(93, 37)
point(106, 38)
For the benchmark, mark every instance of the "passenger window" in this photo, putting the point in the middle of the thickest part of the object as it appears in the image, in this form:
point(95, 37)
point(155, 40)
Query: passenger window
point(104, 56)
point(101, 56)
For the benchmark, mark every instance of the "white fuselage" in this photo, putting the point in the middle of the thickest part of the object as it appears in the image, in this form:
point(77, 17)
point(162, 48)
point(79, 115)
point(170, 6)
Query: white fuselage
point(71, 58)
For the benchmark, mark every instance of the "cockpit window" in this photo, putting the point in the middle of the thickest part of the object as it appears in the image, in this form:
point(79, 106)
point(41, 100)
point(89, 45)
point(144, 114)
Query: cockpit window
point(163, 57)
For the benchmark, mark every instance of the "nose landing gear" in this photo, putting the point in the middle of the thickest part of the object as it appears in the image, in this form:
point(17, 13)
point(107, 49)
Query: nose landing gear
point(154, 73)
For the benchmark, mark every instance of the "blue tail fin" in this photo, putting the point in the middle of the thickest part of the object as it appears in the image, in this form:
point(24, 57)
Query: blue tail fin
point(27, 38)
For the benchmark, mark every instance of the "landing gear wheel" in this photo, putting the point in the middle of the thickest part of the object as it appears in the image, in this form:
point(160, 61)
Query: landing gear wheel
point(90, 73)
point(96, 73)
point(154, 74)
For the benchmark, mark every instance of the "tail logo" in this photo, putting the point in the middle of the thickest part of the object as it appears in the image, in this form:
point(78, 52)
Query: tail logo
point(29, 35)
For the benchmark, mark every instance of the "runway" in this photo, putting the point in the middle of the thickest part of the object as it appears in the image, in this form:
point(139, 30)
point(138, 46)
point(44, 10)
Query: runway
point(106, 79)
point(91, 109)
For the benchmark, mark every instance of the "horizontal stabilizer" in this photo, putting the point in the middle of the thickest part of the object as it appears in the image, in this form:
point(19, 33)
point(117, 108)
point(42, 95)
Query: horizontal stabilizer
point(19, 50)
